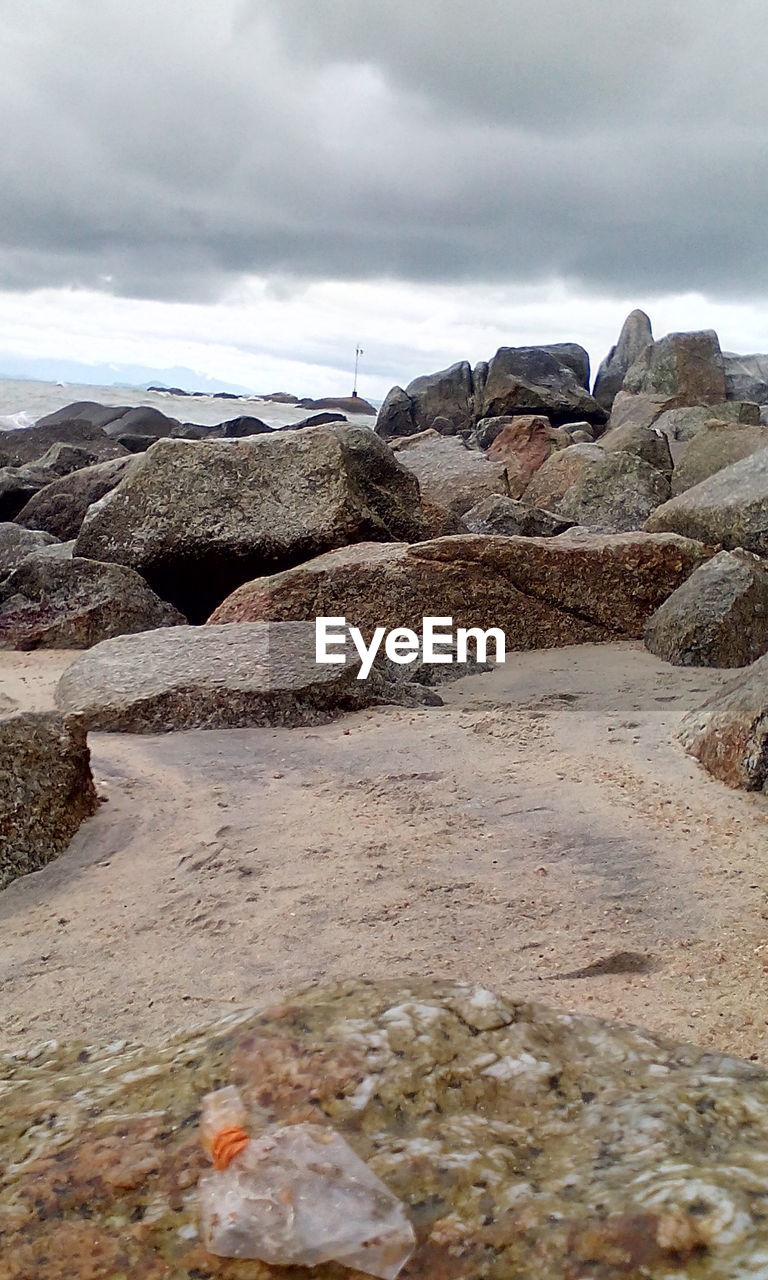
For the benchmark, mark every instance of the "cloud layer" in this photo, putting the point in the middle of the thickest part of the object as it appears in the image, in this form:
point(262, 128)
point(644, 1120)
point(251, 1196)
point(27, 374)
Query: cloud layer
point(164, 150)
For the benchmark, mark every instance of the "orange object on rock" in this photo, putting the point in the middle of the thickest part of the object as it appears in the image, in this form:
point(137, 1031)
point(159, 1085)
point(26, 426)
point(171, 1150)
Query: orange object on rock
point(227, 1144)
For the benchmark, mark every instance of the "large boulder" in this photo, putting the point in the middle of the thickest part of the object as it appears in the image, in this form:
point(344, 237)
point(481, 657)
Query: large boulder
point(395, 417)
point(52, 603)
point(636, 334)
point(450, 475)
point(532, 380)
point(513, 518)
point(523, 444)
point(213, 677)
point(574, 357)
point(681, 425)
point(521, 1141)
point(717, 618)
point(59, 508)
point(46, 790)
point(638, 411)
point(615, 494)
point(16, 544)
point(198, 518)
point(688, 366)
point(716, 445)
point(446, 395)
point(344, 404)
point(235, 429)
point(728, 734)
point(746, 377)
point(541, 592)
point(647, 443)
point(549, 485)
point(729, 508)
point(88, 412)
point(142, 421)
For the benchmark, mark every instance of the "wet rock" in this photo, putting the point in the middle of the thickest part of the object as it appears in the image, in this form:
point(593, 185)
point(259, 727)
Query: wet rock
point(541, 592)
point(59, 507)
point(647, 443)
point(344, 404)
point(513, 518)
point(636, 334)
point(142, 421)
point(615, 494)
point(198, 518)
point(688, 366)
point(532, 380)
point(232, 677)
point(52, 603)
point(316, 420)
point(16, 544)
point(549, 485)
point(728, 508)
point(499, 1125)
point(718, 618)
point(728, 734)
point(236, 428)
point(716, 445)
point(449, 474)
point(46, 791)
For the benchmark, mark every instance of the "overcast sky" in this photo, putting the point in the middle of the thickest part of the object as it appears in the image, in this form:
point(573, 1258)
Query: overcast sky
point(251, 187)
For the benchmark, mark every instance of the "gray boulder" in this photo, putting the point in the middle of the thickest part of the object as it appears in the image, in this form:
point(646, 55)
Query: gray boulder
point(717, 618)
point(142, 421)
point(395, 417)
point(55, 603)
point(46, 790)
point(730, 508)
point(615, 494)
point(574, 357)
point(647, 443)
point(716, 445)
point(636, 334)
point(513, 518)
point(746, 377)
point(87, 412)
point(59, 508)
point(728, 734)
point(679, 425)
point(216, 677)
point(688, 366)
point(524, 380)
point(198, 518)
point(449, 474)
point(16, 544)
point(639, 410)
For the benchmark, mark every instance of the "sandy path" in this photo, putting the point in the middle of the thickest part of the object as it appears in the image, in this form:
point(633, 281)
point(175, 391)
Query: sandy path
point(542, 821)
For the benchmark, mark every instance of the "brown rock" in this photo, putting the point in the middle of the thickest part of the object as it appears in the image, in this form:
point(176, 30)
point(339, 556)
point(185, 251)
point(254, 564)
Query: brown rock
point(688, 366)
point(729, 733)
point(523, 445)
point(449, 474)
point(549, 485)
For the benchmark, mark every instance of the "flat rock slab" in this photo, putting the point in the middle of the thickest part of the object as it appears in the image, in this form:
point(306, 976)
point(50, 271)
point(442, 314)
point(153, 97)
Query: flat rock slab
point(226, 677)
point(523, 1142)
point(46, 791)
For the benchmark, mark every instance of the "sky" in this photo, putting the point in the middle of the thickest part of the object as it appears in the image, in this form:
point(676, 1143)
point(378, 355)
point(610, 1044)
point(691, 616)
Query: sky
point(250, 189)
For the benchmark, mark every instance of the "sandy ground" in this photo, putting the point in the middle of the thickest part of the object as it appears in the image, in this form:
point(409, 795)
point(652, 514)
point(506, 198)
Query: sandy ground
point(543, 822)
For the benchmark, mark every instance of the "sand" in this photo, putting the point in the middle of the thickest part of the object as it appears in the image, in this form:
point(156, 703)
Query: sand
point(544, 822)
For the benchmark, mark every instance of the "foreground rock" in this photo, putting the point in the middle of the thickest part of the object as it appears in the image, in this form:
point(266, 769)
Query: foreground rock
point(59, 508)
point(16, 544)
point(728, 508)
point(216, 678)
point(198, 518)
point(513, 518)
point(718, 618)
point(52, 603)
point(521, 1141)
point(636, 334)
point(46, 791)
point(450, 475)
point(541, 592)
point(729, 733)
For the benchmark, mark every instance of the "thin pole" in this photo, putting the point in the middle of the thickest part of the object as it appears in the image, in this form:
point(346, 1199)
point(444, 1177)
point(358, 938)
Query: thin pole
point(358, 353)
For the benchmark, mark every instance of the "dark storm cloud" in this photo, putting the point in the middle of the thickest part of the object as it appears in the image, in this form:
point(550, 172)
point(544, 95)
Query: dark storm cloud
point(162, 148)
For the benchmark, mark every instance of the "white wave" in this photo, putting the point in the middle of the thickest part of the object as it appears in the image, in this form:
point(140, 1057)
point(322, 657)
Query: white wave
point(16, 421)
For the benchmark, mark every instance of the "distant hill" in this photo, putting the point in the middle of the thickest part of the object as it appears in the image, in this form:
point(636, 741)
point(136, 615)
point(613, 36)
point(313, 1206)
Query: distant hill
point(40, 369)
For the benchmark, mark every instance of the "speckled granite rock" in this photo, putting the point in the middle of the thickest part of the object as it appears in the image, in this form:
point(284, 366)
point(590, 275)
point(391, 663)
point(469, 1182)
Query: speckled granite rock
point(46, 791)
point(228, 677)
point(717, 618)
point(16, 544)
point(728, 734)
point(525, 1144)
point(449, 474)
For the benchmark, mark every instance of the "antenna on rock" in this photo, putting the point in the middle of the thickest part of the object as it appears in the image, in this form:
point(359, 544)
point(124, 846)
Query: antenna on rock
point(358, 353)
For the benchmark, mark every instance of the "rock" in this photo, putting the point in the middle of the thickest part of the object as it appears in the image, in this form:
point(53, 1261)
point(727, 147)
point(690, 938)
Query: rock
point(716, 445)
point(19, 448)
point(487, 429)
point(728, 734)
point(86, 412)
point(236, 428)
point(648, 443)
point(541, 592)
point(51, 603)
point(439, 521)
point(56, 551)
point(718, 618)
point(746, 377)
point(46, 791)
point(142, 421)
point(679, 425)
point(448, 1094)
point(512, 518)
point(197, 519)
point(728, 508)
point(574, 357)
point(344, 404)
point(523, 445)
point(212, 677)
point(615, 494)
point(395, 417)
point(446, 394)
point(18, 485)
point(549, 485)
point(61, 458)
point(637, 410)
point(316, 420)
point(280, 397)
point(59, 508)
point(449, 474)
point(16, 544)
point(688, 366)
point(575, 427)
point(636, 334)
point(532, 380)
point(582, 437)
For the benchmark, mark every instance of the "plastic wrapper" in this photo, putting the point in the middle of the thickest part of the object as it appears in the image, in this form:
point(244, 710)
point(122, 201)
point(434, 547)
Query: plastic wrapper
point(295, 1196)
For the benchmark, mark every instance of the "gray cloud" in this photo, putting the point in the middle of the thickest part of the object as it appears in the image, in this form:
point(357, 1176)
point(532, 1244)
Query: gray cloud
point(161, 149)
